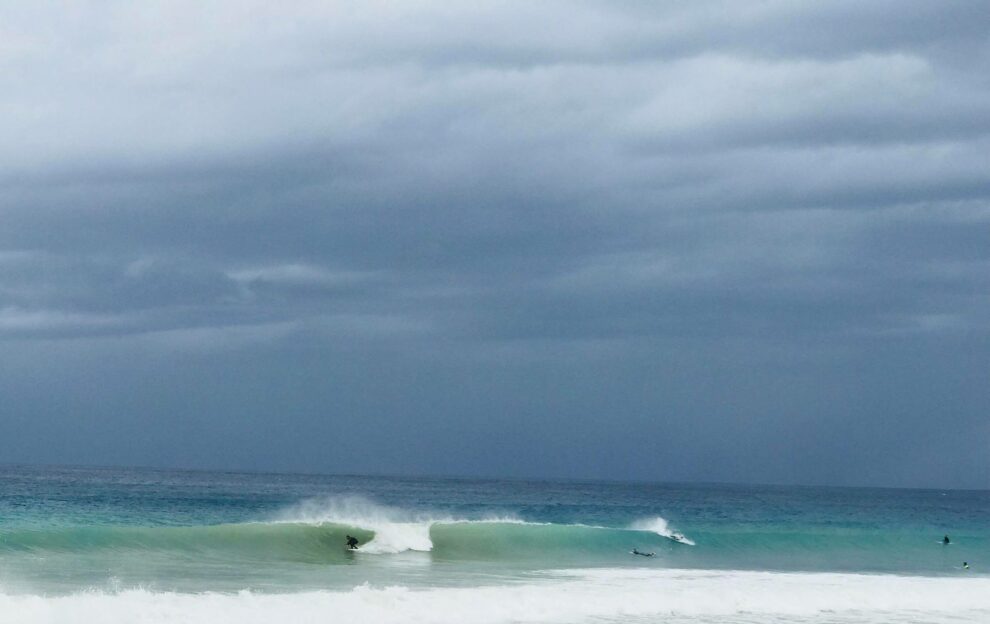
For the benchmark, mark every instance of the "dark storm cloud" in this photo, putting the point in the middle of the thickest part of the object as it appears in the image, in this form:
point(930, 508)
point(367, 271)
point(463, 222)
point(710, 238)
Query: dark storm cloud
point(705, 223)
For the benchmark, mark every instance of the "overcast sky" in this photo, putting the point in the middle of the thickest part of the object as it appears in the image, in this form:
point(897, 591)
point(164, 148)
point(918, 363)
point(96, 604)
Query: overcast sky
point(717, 241)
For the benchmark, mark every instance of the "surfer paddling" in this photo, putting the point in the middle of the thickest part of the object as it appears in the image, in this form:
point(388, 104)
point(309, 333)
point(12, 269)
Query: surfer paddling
point(636, 551)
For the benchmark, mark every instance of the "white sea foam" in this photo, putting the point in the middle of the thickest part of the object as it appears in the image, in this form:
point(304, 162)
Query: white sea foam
point(641, 595)
point(396, 530)
point(660, 526)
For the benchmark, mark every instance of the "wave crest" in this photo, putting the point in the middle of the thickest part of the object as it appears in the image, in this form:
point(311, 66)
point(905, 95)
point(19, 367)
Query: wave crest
point(316, 530)
point(661, 527)
point(394, 530)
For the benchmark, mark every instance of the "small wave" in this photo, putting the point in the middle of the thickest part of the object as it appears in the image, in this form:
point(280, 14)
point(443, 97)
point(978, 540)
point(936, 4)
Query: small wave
point(662, 528)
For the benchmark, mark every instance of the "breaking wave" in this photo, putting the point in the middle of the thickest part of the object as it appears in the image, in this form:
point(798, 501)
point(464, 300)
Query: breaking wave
point(316, 531)
point(660, 526)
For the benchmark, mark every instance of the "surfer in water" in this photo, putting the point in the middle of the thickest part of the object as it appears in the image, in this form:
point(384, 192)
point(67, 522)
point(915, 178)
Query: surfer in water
point(965, 565)
point(946, 540)
point(352, 542)
point(635, 551)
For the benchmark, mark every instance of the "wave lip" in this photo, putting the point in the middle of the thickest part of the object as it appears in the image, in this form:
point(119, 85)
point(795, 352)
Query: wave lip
point(662, 528)
point(391, 530)
point(316, 530)
point(397, 530)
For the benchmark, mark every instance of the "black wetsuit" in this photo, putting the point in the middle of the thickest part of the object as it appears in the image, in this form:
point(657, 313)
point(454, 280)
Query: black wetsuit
point(352, 542)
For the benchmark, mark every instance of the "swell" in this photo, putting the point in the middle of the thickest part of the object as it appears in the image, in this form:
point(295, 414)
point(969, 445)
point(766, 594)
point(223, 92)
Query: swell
point(326, 541)
point(506, 540)
point(251, 540)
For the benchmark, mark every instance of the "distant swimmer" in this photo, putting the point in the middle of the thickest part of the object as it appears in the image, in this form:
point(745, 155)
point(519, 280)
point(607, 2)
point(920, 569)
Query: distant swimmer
point(642, 554)
point(352, 542)
point(946, 540)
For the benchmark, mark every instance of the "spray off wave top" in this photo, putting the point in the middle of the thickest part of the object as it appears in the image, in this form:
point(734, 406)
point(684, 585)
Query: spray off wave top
point(316, 530)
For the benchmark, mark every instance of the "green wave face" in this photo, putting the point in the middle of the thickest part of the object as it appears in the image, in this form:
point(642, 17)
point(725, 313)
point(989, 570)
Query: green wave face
point(326, 543)
point(535, 545)
point(552, 542)
point(283, 542)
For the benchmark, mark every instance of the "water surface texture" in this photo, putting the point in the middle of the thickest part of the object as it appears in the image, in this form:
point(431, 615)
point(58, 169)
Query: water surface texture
point(104, 544)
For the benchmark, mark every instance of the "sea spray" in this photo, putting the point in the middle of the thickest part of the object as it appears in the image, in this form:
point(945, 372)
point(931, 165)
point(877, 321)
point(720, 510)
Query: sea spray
point(660, 526)
point(393, 530)
point(180, 535)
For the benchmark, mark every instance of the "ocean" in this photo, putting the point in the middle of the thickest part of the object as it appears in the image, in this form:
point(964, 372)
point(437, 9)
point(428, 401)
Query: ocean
point(152, 546)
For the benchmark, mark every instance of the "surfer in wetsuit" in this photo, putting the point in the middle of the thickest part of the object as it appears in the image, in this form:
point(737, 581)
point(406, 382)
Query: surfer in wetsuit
point(945, 540)
point(635, 551)
point(965, 565)
point(352, 542)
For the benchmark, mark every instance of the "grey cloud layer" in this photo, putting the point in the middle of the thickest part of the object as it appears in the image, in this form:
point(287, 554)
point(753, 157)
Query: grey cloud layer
point(642, 182)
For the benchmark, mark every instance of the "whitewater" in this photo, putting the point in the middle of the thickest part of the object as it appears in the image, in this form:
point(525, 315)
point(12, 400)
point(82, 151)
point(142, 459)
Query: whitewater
point(575, 596)
point(110, 545)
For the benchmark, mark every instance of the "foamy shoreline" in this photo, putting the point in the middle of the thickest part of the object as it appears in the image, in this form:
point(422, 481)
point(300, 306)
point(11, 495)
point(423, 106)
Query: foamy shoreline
point(558, 596)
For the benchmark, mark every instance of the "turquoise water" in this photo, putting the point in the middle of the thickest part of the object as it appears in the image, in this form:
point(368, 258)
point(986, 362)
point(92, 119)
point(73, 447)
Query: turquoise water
point(166, 541)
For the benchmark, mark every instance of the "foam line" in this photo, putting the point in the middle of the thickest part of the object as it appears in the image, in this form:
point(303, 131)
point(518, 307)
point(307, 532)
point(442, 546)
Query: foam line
point(574, 596)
